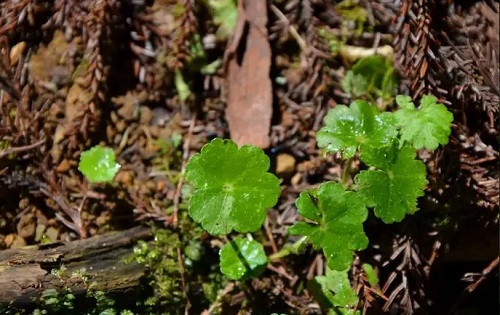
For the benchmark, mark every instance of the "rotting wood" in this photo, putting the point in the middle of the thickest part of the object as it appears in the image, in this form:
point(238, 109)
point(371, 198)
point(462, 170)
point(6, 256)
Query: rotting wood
point(26, 273)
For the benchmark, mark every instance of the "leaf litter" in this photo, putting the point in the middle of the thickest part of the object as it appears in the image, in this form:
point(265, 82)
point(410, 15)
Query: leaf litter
point(53, 110)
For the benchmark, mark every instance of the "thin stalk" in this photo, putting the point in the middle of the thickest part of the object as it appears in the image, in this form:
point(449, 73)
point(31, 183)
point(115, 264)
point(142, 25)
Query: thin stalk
point(288, 249)
point(346, 173)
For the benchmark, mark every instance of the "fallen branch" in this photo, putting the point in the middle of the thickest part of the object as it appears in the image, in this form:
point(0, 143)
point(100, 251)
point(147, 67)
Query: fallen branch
point(26, 273)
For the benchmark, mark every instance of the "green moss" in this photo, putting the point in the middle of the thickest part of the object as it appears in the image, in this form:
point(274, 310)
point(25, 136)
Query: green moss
point(64, 302)
point(352, 12)
point(160, 257)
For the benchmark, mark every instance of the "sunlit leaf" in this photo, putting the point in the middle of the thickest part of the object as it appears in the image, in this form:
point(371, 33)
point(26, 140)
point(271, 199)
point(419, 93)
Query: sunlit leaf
point(347, 128)
point(335, 223)
point(396, 183)
point(242, 259)
point(232, 188)
point(98, 164)
point(425, 127)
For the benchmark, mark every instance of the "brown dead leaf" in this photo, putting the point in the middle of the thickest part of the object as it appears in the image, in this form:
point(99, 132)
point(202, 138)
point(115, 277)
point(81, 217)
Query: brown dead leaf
point(248, 87)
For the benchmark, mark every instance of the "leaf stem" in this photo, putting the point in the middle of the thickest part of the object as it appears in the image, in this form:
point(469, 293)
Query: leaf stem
point(346, 173)
point(288, 249)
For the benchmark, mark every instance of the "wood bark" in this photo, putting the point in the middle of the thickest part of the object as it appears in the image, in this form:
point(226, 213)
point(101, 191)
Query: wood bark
point(26, 273)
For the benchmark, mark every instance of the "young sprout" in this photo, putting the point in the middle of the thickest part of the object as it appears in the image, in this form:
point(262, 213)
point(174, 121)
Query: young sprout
point(98, 164)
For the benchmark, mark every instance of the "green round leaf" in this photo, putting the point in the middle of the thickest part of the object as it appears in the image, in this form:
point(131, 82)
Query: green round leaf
point(98, 164)
point(232, 188)
point(334, 223)
point(371, 76)
point(393, 188)
point(425, 127)
point(347, 128)
point(371, 274)
point(404, 101)
point(337, 289)
point(242, 259)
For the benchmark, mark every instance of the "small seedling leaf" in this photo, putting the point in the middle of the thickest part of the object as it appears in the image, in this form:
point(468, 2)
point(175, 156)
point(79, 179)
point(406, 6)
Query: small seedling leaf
point(98, 164)
point(337, 216)
point(225, 14)
point(425, 127)
point(355, 84)
point(242, 259)
point(405, 102)
point(182, 87)
point(373, 76)
point(337, 289)
point(347, 128)
point(232, 188)
point(371, 274)
point(393, 188)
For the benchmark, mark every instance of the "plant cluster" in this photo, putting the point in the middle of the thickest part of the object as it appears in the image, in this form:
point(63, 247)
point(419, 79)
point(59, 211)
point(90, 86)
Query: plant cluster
point(373, 75)
point(232, 189)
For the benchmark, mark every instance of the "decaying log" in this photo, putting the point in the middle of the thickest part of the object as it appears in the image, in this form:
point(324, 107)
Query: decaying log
point(27, 272)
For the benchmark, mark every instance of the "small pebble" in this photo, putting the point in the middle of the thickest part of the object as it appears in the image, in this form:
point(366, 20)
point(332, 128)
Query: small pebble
point(39, 231)
point(296, 179)
point(285, 165)
point(9, 239)
point(209, 41)
point(16, 52)
point(124, 177)
point(146, 115)
point(18, 242)
point(160, 116)
point(26, 226)
point(102, 219)
point(53, 234)
point(64, 166)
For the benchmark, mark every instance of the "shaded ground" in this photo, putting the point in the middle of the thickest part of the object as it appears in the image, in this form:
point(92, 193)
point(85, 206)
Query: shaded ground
point(130, 75)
